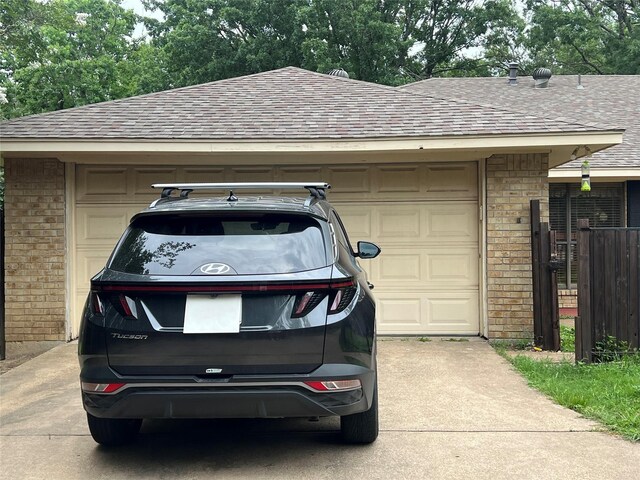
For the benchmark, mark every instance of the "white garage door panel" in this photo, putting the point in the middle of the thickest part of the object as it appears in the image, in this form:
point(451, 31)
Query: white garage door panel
point(423, 216)
point(450, 179)
point(100, 184)
point(202, 175)
point(90, 262)
point(102, 225)
point(450, 312)
point(423, 223)
point(398, 179)
point(349, 179)
point(431, 312)
point(400, 313)
point(432, 268)
point(144, 177)
point(398, 223)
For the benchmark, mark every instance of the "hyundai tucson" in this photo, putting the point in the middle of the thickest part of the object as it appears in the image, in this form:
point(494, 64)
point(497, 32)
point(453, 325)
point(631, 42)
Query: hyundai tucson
point(231, 307)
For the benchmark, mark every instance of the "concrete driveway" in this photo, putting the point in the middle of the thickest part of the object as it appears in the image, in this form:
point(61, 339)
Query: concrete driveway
point(448, 410)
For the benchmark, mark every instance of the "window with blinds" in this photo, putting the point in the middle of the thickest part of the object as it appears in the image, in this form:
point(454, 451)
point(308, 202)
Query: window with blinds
point(603, 206)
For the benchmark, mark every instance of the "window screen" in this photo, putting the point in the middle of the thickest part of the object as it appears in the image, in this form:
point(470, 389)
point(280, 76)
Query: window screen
point(603, 206)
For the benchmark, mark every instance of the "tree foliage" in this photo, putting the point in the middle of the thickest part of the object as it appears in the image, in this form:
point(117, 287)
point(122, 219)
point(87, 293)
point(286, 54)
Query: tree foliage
point(585, 36)
point(388, 42)
point(66, 53)
point(58, 54)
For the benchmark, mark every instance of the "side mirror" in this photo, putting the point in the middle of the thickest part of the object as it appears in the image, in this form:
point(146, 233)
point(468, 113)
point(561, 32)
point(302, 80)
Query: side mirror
point(368, 250)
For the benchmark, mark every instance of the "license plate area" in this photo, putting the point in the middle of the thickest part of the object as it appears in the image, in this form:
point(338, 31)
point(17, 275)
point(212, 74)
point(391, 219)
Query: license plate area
point(212, 314)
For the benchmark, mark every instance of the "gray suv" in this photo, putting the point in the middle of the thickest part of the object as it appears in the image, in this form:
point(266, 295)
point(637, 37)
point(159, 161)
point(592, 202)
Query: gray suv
point(231, 307)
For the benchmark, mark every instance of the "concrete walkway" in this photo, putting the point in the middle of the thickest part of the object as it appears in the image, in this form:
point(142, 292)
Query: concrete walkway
point(448, 410)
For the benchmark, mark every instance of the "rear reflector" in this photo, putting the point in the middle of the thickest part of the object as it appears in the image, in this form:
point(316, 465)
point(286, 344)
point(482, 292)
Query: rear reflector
point(101, 387)
point(334, 385)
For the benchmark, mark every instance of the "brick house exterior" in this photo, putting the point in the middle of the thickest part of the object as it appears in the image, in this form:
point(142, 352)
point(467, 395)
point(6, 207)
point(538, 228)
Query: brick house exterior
point(512, 181)
point(592, 99)
point(43, 155)
point(35, 250)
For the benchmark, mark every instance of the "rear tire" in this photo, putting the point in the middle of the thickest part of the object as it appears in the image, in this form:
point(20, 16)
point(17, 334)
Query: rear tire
point(111, 432)
point(361, 427)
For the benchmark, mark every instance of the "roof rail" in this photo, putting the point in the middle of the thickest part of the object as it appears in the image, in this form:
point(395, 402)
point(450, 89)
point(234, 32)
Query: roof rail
point(317, 190)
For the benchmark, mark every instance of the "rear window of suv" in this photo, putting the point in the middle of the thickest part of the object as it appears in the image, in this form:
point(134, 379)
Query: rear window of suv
point(248, 243)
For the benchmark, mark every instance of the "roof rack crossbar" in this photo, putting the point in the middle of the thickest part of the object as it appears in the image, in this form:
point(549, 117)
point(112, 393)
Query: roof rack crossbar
point(317, 190)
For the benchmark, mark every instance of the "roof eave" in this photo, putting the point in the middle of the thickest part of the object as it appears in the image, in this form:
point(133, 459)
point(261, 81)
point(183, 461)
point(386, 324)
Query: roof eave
point(608, 174)
point(556, 143)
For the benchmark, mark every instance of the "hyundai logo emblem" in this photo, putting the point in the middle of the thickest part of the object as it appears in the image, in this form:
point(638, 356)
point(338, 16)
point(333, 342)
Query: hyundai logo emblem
point(216, 268)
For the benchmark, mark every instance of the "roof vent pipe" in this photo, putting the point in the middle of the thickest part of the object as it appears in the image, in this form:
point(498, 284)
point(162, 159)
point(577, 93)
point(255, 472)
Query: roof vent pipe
point(541, 77)
point(338, 72)
point(513, 73)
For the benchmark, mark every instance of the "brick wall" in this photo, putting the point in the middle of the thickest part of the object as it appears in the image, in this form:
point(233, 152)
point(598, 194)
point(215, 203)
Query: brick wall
point(34, 250)
point(512, 181)
point(568, 298)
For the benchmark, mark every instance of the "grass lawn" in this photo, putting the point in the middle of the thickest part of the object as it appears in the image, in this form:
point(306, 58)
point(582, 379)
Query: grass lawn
point(606, 392)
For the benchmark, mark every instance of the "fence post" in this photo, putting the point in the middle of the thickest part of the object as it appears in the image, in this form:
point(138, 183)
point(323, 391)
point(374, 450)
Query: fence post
point(633, 330)
point(544, 275)
point(3, 345)
point(535, 272)
point(553, 292)
point(584, 321)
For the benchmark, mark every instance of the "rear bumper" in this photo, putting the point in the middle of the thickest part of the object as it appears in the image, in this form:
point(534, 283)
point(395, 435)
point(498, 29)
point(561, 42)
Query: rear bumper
point(232, 398)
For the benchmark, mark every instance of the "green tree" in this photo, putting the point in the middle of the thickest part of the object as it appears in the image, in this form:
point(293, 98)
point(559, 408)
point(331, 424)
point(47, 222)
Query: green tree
point(369, 39)
point(585, 36)
point(206, 40)
point(390, 42)
point(66, 53)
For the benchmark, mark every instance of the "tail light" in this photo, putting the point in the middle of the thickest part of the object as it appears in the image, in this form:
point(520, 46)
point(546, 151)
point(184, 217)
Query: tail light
point(334, 385)
point(101, 387)
point(123, 304)
point(307, 302)
point(340, 296)
point(97, 307)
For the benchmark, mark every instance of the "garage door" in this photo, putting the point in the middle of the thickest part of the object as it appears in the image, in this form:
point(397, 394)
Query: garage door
point(423, 216)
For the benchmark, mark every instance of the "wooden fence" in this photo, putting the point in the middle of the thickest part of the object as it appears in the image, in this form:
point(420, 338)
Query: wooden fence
point(2, 319)
point(544, 267)
point(608, 290)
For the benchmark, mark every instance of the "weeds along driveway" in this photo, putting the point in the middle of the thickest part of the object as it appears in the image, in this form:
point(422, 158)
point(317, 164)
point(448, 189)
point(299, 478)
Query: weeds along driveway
point(448, 410)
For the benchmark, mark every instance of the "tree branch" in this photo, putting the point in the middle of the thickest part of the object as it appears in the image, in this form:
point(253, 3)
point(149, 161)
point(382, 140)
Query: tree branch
point(586, 61)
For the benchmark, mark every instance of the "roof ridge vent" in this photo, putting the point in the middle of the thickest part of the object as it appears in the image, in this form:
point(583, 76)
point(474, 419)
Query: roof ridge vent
point(541, 77)
point(338, 72)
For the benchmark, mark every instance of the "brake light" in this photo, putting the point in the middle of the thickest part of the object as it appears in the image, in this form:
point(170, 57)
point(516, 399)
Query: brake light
point(101, 387)
point(334, 385)
point(307, 302)
point(96, 304)
point(340, 294)
point(342, 298)
point(124, 305)
point(229, 288)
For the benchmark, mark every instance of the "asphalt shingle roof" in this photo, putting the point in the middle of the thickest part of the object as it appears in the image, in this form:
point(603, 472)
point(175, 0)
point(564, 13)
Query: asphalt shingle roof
point(606, 100)
point(289, 103)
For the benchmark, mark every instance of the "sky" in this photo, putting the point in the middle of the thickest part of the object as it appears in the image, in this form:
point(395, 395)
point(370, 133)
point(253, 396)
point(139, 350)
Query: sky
point(136, 6)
